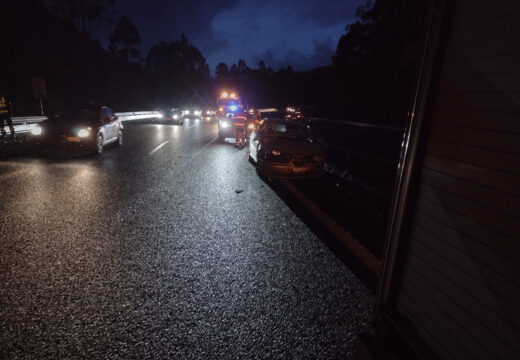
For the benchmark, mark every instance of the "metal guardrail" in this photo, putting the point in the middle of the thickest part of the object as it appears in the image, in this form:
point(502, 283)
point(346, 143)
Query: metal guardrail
point(24, 124)
point(138, 115)
point(17, 120)
point(363, 155)
point(124, 116)
point(354, 123)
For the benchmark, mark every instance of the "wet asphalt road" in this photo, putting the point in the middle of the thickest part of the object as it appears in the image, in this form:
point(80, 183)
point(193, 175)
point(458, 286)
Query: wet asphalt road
point(148, 251)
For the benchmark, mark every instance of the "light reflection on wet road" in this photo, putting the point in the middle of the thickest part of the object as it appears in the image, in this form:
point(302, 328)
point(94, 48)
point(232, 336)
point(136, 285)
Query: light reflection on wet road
point(148, 251)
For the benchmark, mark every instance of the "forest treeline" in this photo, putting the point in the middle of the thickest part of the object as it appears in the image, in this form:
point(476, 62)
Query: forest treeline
point(369, 79)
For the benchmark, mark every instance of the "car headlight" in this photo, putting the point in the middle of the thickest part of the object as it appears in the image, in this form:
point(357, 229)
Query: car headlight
point(175, 116)
point(276, 152)
point(83, 133)
point(37, 130)
point(187, 112)
point(197, 112)
point(317, 158)
point(224, 124)
point(208, 112)
point(160, 116)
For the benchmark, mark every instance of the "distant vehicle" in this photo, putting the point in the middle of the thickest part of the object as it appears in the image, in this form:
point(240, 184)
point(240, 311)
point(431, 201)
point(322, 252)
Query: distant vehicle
point(226, 126)
point(90, 128)
point(294, 114)
point(228, 105)
point(209, 114)
point(228, 102)
point(193, 112)
point(173, 115)
point(285, 149)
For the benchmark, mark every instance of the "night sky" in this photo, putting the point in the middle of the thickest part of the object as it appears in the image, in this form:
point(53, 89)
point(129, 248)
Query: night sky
point(300, 33)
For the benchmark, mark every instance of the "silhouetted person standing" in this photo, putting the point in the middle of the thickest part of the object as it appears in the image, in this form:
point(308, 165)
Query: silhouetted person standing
point(5, 114)
point(240, 129)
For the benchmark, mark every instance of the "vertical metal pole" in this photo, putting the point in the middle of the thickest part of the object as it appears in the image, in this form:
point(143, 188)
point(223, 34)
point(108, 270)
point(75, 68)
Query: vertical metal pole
point(409, 148)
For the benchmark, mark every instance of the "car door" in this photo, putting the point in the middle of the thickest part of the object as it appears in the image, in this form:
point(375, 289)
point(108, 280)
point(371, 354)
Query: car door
point(114, 124)
point(106, 125)
point(255, 142)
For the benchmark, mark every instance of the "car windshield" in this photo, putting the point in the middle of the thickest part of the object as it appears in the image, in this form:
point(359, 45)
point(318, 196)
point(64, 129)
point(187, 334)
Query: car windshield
point(85, 113)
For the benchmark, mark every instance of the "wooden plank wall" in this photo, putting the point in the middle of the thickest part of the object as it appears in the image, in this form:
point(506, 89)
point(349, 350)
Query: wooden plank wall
point(461, 280)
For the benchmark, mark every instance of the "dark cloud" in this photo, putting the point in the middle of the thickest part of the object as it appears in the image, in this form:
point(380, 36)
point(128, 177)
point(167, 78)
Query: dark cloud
point(303, 33)
point(166, 20)
point(321, 56)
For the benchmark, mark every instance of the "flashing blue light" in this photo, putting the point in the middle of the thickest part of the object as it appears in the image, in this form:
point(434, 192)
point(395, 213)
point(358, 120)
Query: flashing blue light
point(233, 108)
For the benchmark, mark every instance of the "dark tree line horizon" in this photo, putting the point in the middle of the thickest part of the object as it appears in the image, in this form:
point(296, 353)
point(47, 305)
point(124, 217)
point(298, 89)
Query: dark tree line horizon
point(368, 80)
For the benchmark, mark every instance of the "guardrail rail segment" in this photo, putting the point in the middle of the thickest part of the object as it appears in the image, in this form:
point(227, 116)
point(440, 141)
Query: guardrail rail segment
point(24, 124)
point(124, 116)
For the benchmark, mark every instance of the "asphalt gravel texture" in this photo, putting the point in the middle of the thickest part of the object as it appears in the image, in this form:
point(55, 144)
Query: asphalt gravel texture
point(151, 251)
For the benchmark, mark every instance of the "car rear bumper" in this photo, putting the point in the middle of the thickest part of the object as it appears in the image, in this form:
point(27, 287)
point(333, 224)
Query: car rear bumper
point(290, 171)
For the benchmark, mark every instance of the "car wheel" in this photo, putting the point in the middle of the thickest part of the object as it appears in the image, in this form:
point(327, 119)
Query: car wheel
point(120, 137)
point(99, 144)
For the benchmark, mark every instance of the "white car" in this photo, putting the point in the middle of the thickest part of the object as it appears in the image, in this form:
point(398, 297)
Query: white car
point(90, 128)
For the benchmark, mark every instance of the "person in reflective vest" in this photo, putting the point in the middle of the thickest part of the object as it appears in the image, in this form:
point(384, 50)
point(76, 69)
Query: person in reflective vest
point(240, 129)
point(5, 114)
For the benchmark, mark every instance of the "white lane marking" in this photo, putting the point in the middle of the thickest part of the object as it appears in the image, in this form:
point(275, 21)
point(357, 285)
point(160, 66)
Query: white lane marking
point(360, 251)
point(158, 147)
point(189, 127)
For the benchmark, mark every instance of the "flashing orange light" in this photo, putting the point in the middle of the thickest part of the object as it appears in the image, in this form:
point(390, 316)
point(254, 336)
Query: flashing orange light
point(224, 95)
point(233, 96)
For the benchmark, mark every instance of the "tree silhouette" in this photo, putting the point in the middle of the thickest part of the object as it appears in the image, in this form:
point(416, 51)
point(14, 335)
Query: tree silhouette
point(242, 66)
point(233, 71)
point(182, 69)
point(177, 57)
point(261, 66)
point(84, 13)
point(376, 59)
point(222, 71)
point(124, 40)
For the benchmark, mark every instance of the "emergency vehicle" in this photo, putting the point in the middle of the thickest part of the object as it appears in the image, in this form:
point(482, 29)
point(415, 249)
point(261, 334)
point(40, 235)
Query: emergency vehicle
point(228, 105)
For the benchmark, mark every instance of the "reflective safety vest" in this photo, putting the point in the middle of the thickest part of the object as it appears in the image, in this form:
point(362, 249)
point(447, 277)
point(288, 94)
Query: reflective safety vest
point(240, 121)
point(4, 109)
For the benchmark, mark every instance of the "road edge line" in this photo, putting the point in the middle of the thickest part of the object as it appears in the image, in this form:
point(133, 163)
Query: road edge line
point(355, 247)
